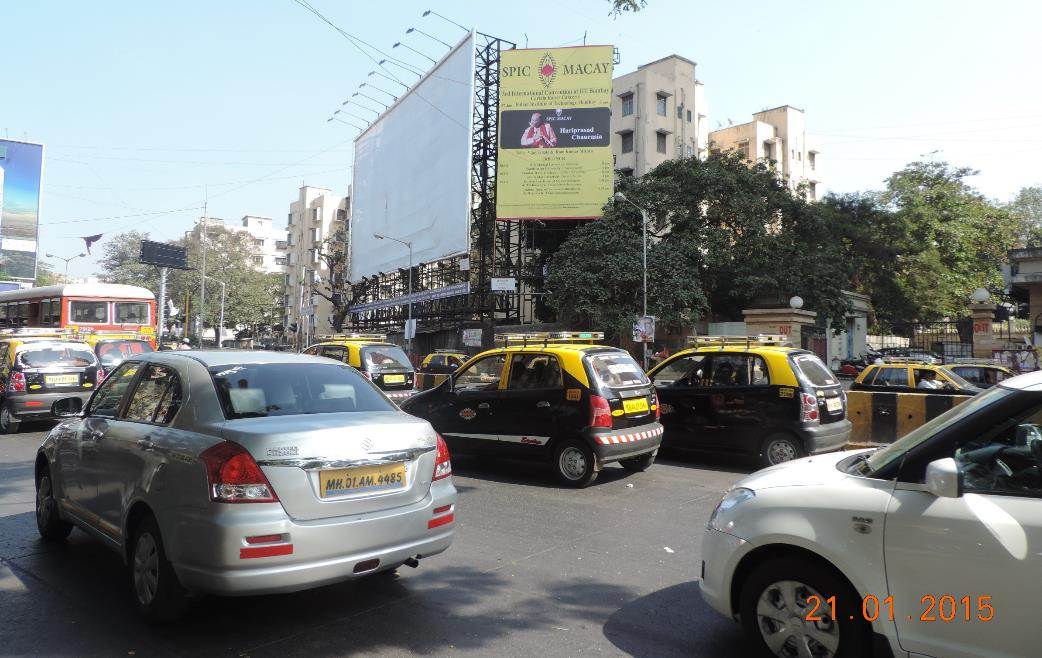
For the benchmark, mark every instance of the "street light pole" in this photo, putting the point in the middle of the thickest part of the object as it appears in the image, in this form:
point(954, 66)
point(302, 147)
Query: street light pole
point(218, 334)
point(619, 196)
point(67, 261)
point(408, 341)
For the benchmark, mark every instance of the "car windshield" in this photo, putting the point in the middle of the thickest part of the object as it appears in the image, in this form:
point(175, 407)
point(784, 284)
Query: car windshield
point(616, 369)
point(814, 370)
point(112, 353)
point(56, 356)
point(287, 389)
point(385, 356)
point(897, 449)
point(959, 381)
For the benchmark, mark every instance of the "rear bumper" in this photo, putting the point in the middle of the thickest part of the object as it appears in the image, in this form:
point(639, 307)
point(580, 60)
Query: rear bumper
point(210, 554)
point(826, 438)
point(31, 406)
point(613, 445)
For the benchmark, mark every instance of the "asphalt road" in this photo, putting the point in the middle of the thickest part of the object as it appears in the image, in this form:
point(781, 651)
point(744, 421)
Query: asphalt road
point(534, 570)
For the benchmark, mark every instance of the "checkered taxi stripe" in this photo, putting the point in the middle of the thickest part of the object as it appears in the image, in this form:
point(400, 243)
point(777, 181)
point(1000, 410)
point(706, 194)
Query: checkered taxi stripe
point(629, 438)
point(399, 395)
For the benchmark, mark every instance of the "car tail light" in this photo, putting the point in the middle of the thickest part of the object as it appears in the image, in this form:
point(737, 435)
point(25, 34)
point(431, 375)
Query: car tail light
point(809, 411)
point(657, 406)
point(442, 463)
point(18, 382)
point(600, 412)
point(234, 476)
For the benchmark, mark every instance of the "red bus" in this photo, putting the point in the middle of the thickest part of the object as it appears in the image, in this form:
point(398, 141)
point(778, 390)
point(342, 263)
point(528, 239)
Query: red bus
point(83, 307)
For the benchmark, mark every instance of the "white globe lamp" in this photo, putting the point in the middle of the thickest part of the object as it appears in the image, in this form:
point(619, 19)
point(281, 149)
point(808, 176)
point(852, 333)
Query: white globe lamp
point(796, 302)
point(980, 296)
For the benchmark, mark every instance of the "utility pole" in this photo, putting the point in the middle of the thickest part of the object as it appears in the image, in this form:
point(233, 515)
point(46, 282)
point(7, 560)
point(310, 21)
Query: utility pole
point(202, 279)
point(160, 320)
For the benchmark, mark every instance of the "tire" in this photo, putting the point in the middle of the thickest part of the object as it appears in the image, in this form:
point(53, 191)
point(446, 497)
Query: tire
point(8, 423)
point(639, 464)
point(780, 448)
point(153, 582)
point(775, 585)
point(48, 520)
point(574, 463)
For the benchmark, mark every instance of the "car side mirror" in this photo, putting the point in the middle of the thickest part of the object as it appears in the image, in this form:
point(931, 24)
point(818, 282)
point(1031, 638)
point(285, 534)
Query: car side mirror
point(944, 478)
point(67, 407)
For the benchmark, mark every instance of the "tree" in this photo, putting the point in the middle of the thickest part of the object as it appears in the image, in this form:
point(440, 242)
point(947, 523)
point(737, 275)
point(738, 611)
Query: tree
point(1026, 209)
point(45, 275)
point(334, 288)
point(119, 262)
point(619, 7)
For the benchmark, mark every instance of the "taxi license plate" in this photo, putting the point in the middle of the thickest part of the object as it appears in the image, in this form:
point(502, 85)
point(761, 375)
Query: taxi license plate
point(364, 479)
point(635, 405)
point(61, 380)
point(394, 379)
point(834, 404)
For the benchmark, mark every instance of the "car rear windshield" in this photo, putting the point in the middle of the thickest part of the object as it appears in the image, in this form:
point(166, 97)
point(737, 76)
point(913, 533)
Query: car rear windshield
point(113, 352)
point(814, 370)
point(379, 357)
point(288, 389)
point(616, 369)
point(56, 356)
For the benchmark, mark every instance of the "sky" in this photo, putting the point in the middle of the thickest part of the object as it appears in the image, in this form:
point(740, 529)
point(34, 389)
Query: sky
point(148, 110)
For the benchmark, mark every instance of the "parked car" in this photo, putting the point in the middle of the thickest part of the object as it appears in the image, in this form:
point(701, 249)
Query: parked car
point(113, 350)
point(36, 371)
point(906, 376)
point(750, 396)
point(442, 362)
point(239, 473)
point(384, 363)
point(913, 354)
point(981, 374)
point(556, 397)
point(929, 547)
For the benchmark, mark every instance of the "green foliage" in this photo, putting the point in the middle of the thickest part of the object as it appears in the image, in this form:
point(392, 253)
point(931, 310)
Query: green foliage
point(619, 7)
point(1026, 209)
point(45, 275)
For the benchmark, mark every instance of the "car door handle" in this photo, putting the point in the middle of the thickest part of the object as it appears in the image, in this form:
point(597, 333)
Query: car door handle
point(542, 404)
point(484, 405)
point(146, 445)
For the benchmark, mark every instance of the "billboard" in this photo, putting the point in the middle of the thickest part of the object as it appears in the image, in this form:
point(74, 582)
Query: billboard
point(21, 170)
point(412, 172)
point(554, 133)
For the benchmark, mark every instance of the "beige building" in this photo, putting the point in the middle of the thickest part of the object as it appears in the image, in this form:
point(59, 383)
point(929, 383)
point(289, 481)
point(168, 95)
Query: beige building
point(317, 221)
point(778, 135)
point(658, 113)
point(269, 242)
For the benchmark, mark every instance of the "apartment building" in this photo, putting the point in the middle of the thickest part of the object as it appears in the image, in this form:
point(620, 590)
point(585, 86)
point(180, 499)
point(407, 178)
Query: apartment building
point(269, 243)
point(778, 135)
point(317, 222)
point(658, 113)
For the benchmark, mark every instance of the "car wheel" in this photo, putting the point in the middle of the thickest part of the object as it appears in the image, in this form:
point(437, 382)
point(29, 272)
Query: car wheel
point(638, 464)
point(157, 591)
point(8, 423)
point(778, 597)
point(48, 521)
point(780, 448)
point(574, 463)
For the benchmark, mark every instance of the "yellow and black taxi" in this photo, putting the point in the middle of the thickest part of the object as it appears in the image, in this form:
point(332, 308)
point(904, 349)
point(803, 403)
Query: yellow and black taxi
point(442, 362)
point(981, 373)
point(38, 368)
point(554, 396)
point(382, 362)
point(752, 396)
point(897, 375)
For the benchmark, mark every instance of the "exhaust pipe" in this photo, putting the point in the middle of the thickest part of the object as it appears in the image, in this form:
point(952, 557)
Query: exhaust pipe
point(411, 562)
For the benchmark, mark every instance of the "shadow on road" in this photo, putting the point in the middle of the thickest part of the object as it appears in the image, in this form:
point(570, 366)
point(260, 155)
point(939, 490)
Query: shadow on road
point(674, 622)
point(521, 471)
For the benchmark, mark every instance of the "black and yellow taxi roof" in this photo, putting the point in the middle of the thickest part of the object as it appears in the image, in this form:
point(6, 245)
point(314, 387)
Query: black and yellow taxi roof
point(459, 354)
point(568, 346)
point(944, 374)
point(353, 342)
point(774, 349)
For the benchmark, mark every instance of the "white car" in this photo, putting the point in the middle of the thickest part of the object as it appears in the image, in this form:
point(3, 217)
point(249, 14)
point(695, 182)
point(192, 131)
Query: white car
point(931, 546)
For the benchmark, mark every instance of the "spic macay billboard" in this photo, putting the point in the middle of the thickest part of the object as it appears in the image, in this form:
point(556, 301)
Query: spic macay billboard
point(554, 133)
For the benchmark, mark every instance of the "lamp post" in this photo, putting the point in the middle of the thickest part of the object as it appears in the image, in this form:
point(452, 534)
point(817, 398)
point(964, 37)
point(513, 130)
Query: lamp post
point(408, 341)
point(380, 103)
point(431, 11)
point(619, 196)
point(399, 63)
point(67, 261)
point(387, 77)
point(220, 322)
point(382, 91)
point(419, 31)
point(408, 47)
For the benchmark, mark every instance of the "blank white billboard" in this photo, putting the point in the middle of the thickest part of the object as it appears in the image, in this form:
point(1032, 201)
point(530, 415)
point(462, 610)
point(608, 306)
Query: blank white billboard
point(412, 172)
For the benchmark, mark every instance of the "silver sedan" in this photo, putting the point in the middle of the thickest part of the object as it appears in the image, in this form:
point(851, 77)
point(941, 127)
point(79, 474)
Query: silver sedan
point(236, 473)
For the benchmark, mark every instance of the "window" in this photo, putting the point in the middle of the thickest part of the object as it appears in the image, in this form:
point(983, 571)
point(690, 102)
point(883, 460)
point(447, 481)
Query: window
point(812, 160)
point(289, 240)
point(281, 244)
point(768, 151)
point(1007, 458)
point(627, 142)
point(315, 236)
point(892, 377)
point(131, 312)
point(436, 361)
point(106, 400)
point(812, 190)
point(627, 104)
point(530, 371)
point(733, 370)
point(680, 112)
point(378, 357)
point(813, 370)
point(616, 369)
point(96, 312)
point(626, 171)
point(111, 353)
point(258, 260)
point(282, 261)
point(314, 215)
point(689, 116)
point(660, 104)
point(289, 389)
point(690, 151)
point(484, 375)
point(683, 371)
point(156, 398)
point(56, 355)
point(289, 219)
point(660, 142)
point(334, 352)
point(258, 242)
